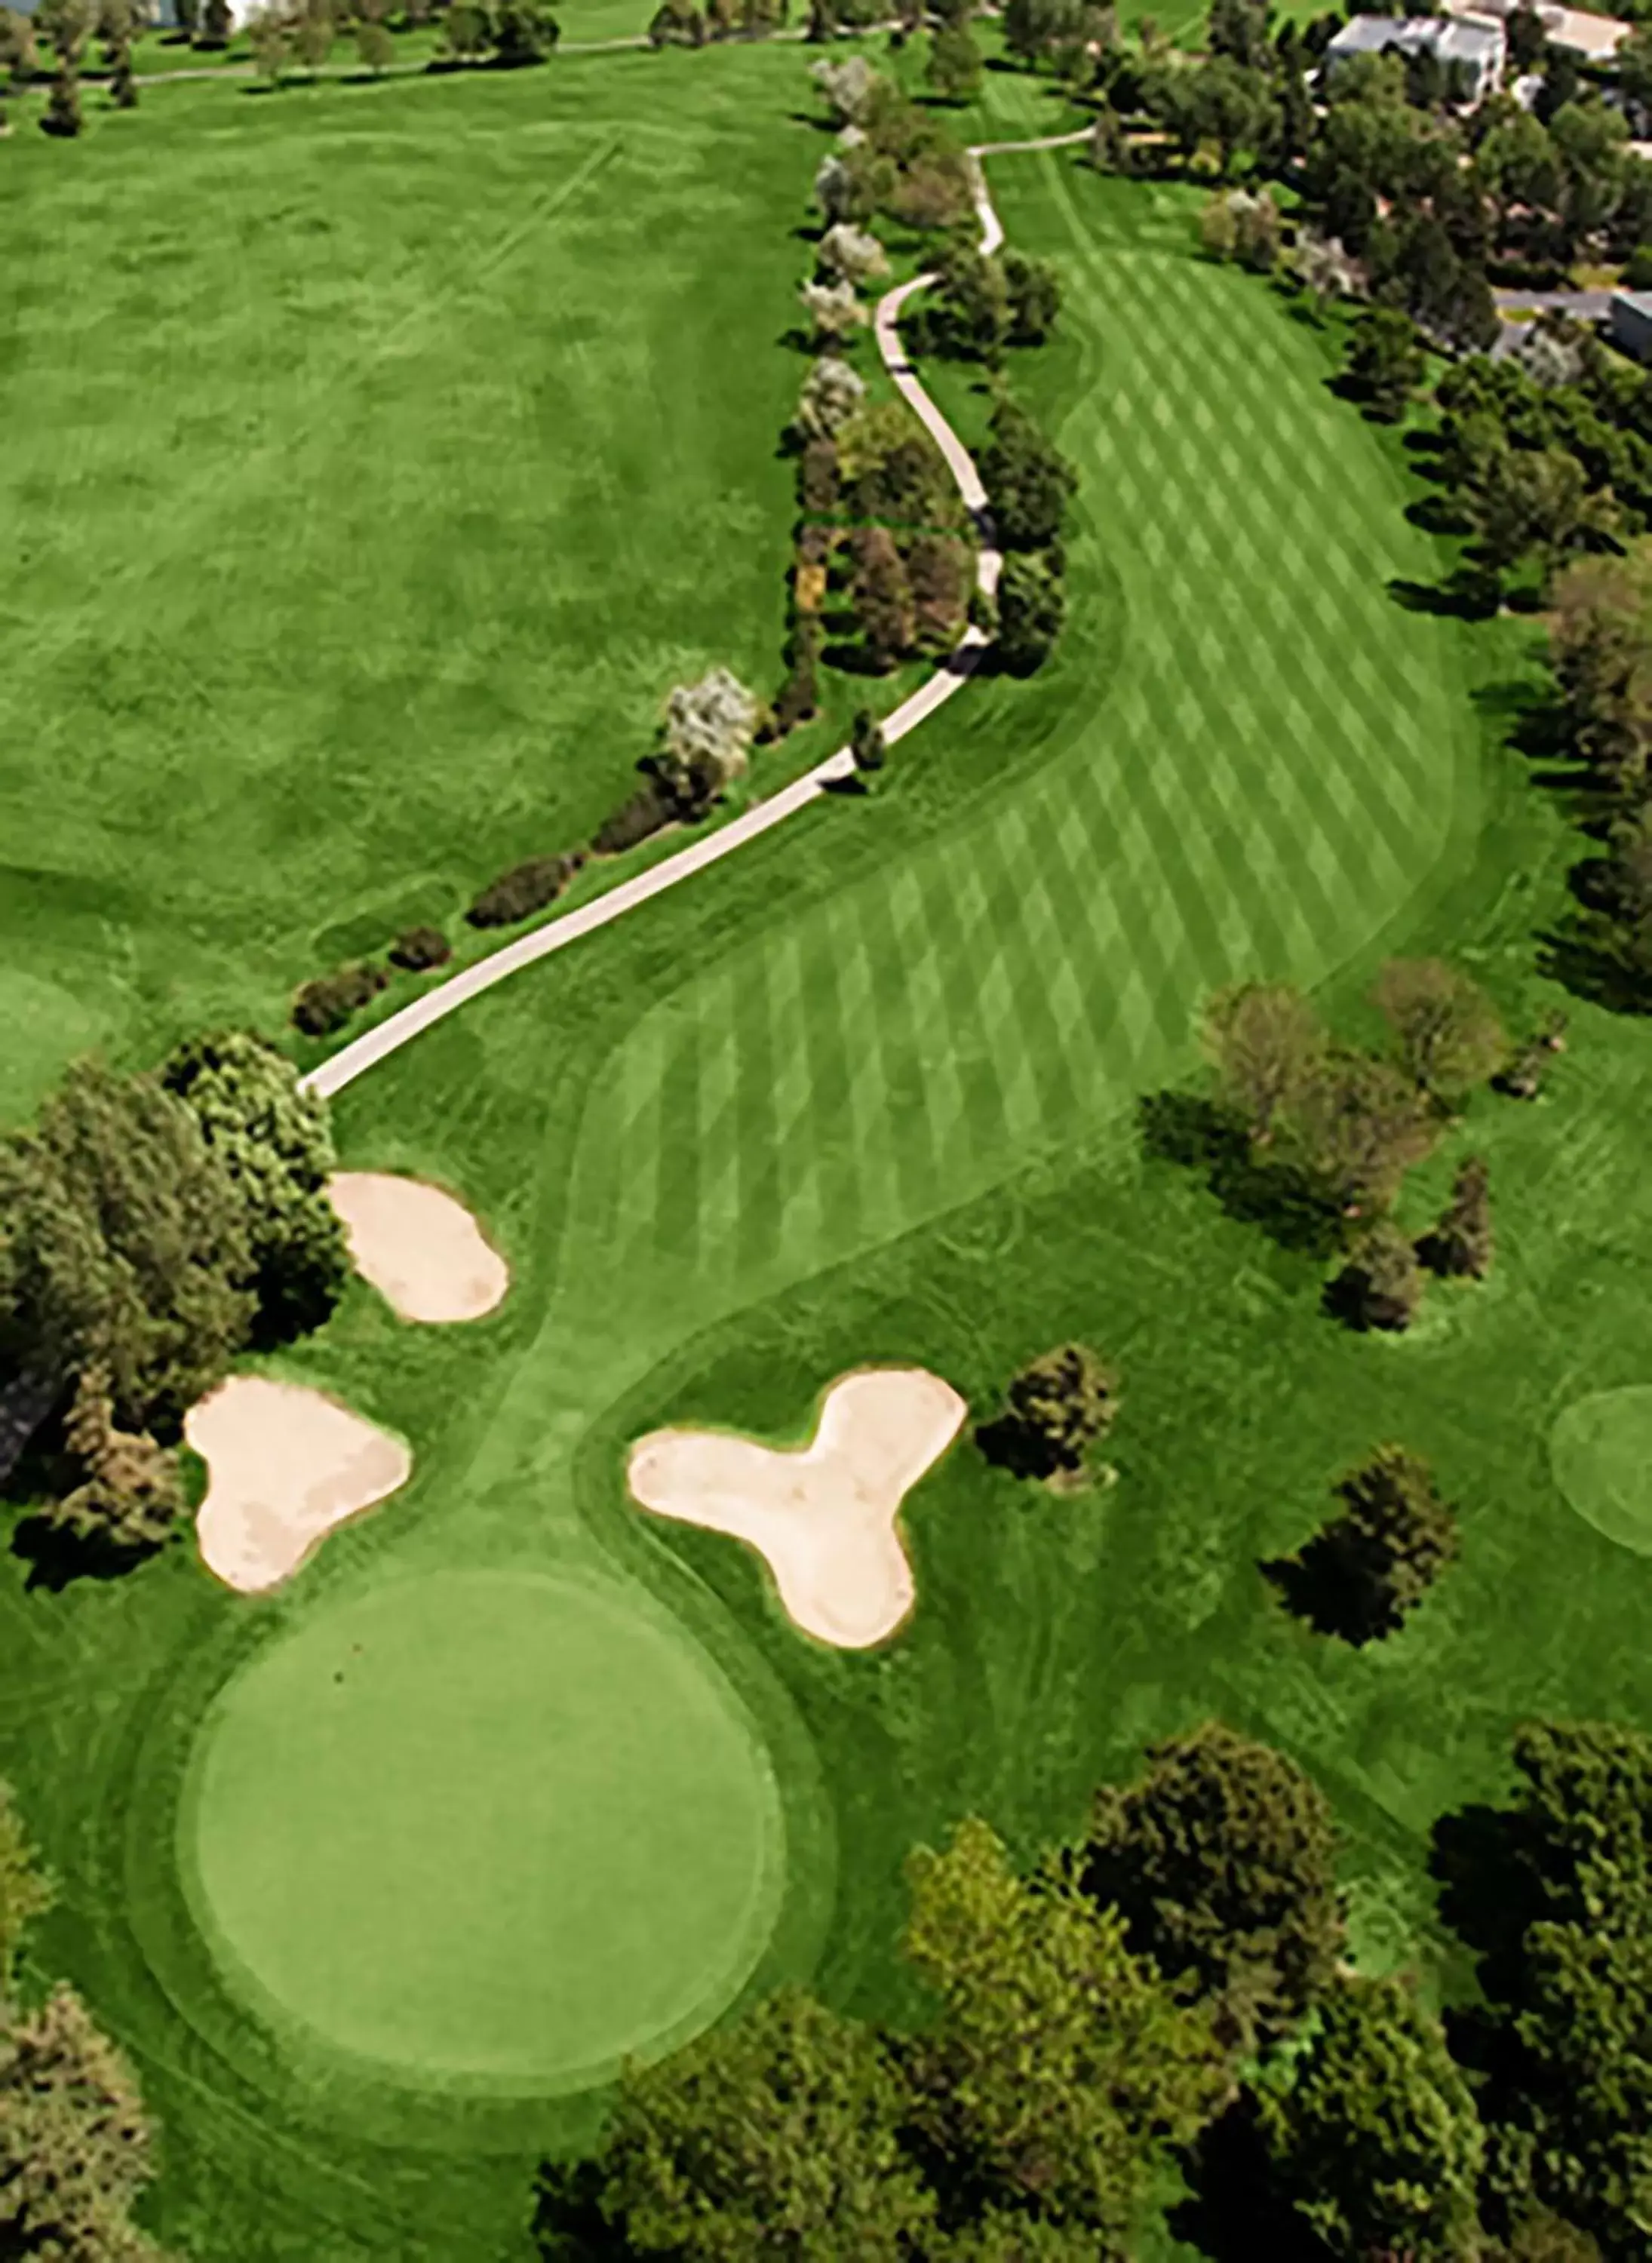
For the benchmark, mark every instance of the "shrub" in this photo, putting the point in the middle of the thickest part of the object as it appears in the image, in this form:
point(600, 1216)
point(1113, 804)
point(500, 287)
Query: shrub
point(417, 947)
point(524, 889)
point(646, 813)
point(327, 1002)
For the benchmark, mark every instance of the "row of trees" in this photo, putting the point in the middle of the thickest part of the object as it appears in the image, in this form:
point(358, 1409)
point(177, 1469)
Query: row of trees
point(67, 28)
point(1173, 1990)
point(150, 1227)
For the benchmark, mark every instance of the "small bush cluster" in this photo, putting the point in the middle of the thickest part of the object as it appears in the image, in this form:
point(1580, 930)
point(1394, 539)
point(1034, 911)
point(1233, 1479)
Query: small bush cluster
point(646, 812)
point(525, 889)
point(326, 1003)
point(416, 949)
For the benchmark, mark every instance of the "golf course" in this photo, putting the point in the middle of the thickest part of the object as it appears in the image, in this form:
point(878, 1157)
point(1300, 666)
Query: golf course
point(368, 487)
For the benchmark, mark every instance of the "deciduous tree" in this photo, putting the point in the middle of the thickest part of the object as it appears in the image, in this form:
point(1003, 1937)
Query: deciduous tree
point(883, 595)
point(1446, 1033)
point(1268, 1046)
point(24, 1893)
point(1362, 1125)
point(1461, 1241)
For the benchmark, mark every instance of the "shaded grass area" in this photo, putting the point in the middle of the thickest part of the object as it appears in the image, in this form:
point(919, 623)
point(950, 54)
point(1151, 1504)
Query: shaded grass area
point(867, 1093)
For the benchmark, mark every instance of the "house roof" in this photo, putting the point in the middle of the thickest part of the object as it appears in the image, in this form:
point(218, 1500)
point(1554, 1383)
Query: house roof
point(1454, 39)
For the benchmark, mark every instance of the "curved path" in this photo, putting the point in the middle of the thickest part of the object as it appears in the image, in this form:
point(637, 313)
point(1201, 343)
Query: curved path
point(389, 1036)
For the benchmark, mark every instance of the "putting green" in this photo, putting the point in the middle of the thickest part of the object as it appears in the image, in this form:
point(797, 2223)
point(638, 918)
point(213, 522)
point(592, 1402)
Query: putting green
point(490, 1828)
point(1600, 1450)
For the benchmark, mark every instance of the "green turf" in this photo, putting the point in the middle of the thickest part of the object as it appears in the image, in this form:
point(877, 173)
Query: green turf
point(1601, 1453)
point(352, 541)
point(489, 1825)
point(866, 1093)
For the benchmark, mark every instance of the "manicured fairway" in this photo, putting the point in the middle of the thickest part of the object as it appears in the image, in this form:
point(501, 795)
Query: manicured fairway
point(486, 1826)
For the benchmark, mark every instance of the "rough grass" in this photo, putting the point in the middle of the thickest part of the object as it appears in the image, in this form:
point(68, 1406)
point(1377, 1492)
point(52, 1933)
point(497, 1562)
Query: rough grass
point(866, 1094)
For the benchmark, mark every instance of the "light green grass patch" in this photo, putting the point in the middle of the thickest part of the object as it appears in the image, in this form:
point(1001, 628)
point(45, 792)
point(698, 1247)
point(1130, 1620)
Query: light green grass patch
point(495, 1829)
point(1600, 1452)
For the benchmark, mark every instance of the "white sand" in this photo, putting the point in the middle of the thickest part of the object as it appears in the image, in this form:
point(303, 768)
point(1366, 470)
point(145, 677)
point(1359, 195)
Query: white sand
point(421, 1249)
point(821, 1517)
point(285, 1465)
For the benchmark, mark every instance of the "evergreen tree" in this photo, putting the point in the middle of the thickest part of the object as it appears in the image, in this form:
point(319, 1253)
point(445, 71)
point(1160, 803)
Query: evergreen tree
point(1055, 1410)
point(75, 2142)
point(1362, 1572)
point(1027, 479)
point(1376, 2140)
point(1381, 1286)
point(1059, 2068)
point(865, 741)
point(1031, 611)
point(1221, 1861)
point(954, 63)
point(1384, 357)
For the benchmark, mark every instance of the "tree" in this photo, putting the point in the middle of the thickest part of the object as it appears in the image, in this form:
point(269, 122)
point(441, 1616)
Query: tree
point(1461, 1241)
point(851, 255)
point(1032, 610)
point(865, 741)
point(1221, 1861)
point(967, 310)
point(1032, 289)
point(1268, 1046)
point(273, 1140)
point(521, 32)
point(62, 116)
point(954, 64)
point(24, 1894)
point(17, 53)
point(1237, 225)
point(938, 568)
point(116, 22)
point(1385, 362)
point(1363, 1571)
point(1376, 2141)
point(776, 2137)
point(1059, 2067)
point(847, 88)
point(834, 310)
point(1552, 1895)
point(1362, 1124)
point(122, 1246)
point(1446, 1033)
point(374, 46)
point(272, 34)
point(74, 2140)
point(705, 743)
point(1027, 478)
point(882, 597)
point(832, 391)
point(131, 1496)
point(1055, 1410)
point(1381, 1286)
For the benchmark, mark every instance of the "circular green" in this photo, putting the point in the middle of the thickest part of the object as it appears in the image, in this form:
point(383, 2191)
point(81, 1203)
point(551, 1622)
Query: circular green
point(495, 1829)
point(1600, 1450)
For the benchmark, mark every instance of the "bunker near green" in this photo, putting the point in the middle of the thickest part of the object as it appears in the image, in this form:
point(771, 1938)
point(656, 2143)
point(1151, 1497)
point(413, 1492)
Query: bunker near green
point(1600, 1450)
point(490, 1829)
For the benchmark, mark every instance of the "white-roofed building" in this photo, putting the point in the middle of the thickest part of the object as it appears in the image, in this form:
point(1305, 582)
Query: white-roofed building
point(1596, 38)
point(1472, 49)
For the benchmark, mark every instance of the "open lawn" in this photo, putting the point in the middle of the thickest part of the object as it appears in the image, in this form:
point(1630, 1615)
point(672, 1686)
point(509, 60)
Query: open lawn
point(369, 486)
point(866, 1094)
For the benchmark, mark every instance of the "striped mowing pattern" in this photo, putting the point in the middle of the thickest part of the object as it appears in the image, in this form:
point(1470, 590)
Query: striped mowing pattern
point(1258, 790)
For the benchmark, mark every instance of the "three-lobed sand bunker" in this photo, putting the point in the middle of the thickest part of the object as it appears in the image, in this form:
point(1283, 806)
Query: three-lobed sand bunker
point(822, 1516)
point(285, 1464)
point(420, 1248)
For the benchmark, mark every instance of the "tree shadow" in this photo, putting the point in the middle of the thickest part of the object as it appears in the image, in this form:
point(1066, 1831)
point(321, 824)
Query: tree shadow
point(1463, 596)
point(567, 2226)
point(1234, 2214)
point(57, 1556)
point(1008, 1445)
point(1332, 1586)
point(1583, 957)
point(1354, 1301)
point(1291, 1207)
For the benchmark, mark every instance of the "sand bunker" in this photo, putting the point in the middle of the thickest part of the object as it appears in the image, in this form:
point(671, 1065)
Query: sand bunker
point(421, 1249)
point(822, 1517)
point(285, 1465)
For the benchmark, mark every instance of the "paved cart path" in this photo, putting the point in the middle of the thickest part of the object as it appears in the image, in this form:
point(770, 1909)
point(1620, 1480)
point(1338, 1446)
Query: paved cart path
point(400, 1029)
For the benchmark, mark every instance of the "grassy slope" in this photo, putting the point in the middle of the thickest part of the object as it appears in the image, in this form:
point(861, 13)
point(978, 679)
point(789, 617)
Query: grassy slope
point(369, 484)
point(734, 1149)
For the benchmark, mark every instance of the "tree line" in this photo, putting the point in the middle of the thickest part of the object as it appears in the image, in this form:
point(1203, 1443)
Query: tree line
point(1168, 1998)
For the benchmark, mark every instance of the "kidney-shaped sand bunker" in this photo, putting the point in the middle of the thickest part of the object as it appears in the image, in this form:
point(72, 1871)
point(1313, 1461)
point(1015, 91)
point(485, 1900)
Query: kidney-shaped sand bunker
point(285, 1464)
point(822, 1517)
